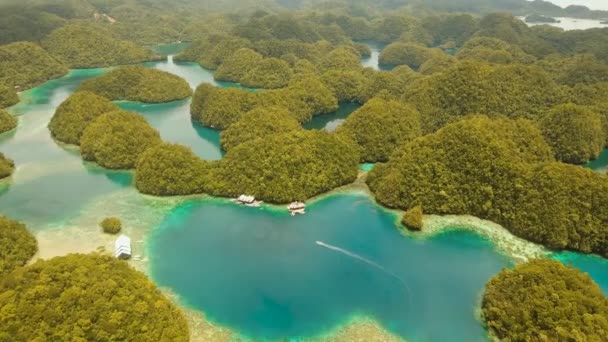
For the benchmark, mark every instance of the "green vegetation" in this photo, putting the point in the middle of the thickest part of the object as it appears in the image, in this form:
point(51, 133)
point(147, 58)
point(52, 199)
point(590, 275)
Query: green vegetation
point(138, 83)
point(501, 170)
point(75, 113)
point(468, 88)
point(259, 123)
point(574, 132)
point(281, 168)
point(269, 73)
point(410, 54)
point(26, 65)
point(538, 18)
point(545, 300)
point(7, 167)
point(86, 46)
point(111, 225)
point(237, 65)
point(170, 170)
point(86, 297)
point(17, 245)
point(116, 139)
point(8, 96)
point(413, 218)
point(7, 121)
point(380, 126)
point(278, 168)
point(345, 85)
point(493, 50)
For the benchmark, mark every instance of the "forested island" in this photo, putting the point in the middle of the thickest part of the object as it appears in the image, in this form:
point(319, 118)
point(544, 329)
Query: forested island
point(538, 18)
point(469, 112)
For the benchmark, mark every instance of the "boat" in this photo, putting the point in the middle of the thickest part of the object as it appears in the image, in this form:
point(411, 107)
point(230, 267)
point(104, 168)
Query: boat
point(297, 208)
point(245, 199)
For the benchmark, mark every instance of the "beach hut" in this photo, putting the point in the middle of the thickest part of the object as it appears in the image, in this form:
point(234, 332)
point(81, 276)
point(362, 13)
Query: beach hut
point(123, 247)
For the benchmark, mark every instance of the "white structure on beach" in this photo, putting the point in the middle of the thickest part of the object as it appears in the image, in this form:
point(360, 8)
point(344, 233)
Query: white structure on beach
point(123, 247)
point(246, 199)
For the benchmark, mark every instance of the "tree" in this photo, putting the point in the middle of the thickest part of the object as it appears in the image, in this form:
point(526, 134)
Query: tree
point(413, 218)
point(380, 126)
point(574, 132)
point(116, 139)
point(7, 121)
point(111, 225)
point(410, 54)
point(234, 68)
point(138, 83)
point(17, 245)
point(7, 166)
point(565, 304)
point(269, 73)
point(8, 97)
point(75, 113)
point(493, 50)
point(84, 46)
point(259, 123)
point(26, 65)
point(86, 297)
point(345, 85)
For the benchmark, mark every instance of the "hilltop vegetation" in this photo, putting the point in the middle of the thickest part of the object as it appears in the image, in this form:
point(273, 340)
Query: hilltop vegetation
point(8, 96)
point(380, 126)
point(259, 123)
point(565, 304)
point(116, 139)
point(501, 170)
point(7, 121)
point(278, 168)
point(86, 297)
point(75, 113)
point(138, 83)
point(26, 65)
point(84, 46)
point(17, 245)
point(7, 166)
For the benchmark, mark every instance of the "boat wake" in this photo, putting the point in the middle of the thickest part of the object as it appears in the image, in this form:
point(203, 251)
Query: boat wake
point(370, 263)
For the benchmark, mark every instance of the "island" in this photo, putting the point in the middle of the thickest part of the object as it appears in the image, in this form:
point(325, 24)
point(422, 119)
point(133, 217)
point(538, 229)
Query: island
point(7, 121)
point(138, 83)
point(7, 166)
point(25, 65)
point(536, 289)
point(17, 244)
point(539, 18)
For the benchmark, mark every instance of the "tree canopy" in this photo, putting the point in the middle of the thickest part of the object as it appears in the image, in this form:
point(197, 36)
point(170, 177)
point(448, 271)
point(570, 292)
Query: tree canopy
point(574, 132)
point(116, 139)
point(26, 65)
point(545, 300)
point(75, 113)
point(7, 121)
point(269, 73)
point(7, 166)
point(17, 245)
point(410, 54)
point(380, 126)
point(84, 46)
point(86, 297)
point(138, 83)
point(234, 68)
point(8, 96)
point(259, 123)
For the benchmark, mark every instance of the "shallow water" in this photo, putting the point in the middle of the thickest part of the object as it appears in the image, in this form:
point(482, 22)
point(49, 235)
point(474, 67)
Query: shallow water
point(601, 163)
point(262, 272)
point(331, 121)
point(572, 23)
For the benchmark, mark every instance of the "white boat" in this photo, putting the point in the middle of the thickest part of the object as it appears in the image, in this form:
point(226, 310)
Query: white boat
point(245, 199)
point(296, 206)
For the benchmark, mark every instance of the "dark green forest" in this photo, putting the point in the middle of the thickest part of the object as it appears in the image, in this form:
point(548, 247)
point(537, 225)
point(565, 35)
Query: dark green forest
point(7, 121)
point(545, 300)
point(7, 166)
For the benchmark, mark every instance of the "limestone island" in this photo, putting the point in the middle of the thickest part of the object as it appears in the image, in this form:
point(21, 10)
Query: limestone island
point(539, 18)
point(138, 83)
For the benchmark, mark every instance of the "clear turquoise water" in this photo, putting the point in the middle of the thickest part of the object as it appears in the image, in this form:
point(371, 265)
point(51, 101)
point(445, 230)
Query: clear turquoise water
point(367, 167)
point(261, 272)
point(595, 266)
point(331, 121)
point(601, 163)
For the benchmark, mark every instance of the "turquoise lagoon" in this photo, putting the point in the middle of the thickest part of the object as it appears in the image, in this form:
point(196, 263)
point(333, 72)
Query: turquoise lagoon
point(260, 271)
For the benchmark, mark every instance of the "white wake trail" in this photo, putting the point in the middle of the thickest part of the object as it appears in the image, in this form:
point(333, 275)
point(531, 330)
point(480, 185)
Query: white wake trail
point(366, 261)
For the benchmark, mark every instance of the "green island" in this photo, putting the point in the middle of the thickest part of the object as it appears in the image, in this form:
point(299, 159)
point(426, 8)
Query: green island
point(7, 121)
point(536, 289)
point(18, 245)
point(303, 170)
point(138, 83)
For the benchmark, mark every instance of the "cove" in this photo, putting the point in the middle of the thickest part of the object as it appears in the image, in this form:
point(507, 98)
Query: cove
point(262, 272)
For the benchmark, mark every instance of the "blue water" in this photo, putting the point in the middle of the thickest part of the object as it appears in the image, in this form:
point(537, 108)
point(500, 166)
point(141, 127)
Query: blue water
point(331, 121)
point(595, 266)
point(262, 273)
point(601, 163)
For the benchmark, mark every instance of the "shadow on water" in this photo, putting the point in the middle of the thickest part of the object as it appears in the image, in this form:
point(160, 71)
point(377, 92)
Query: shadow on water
point(331, 121)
